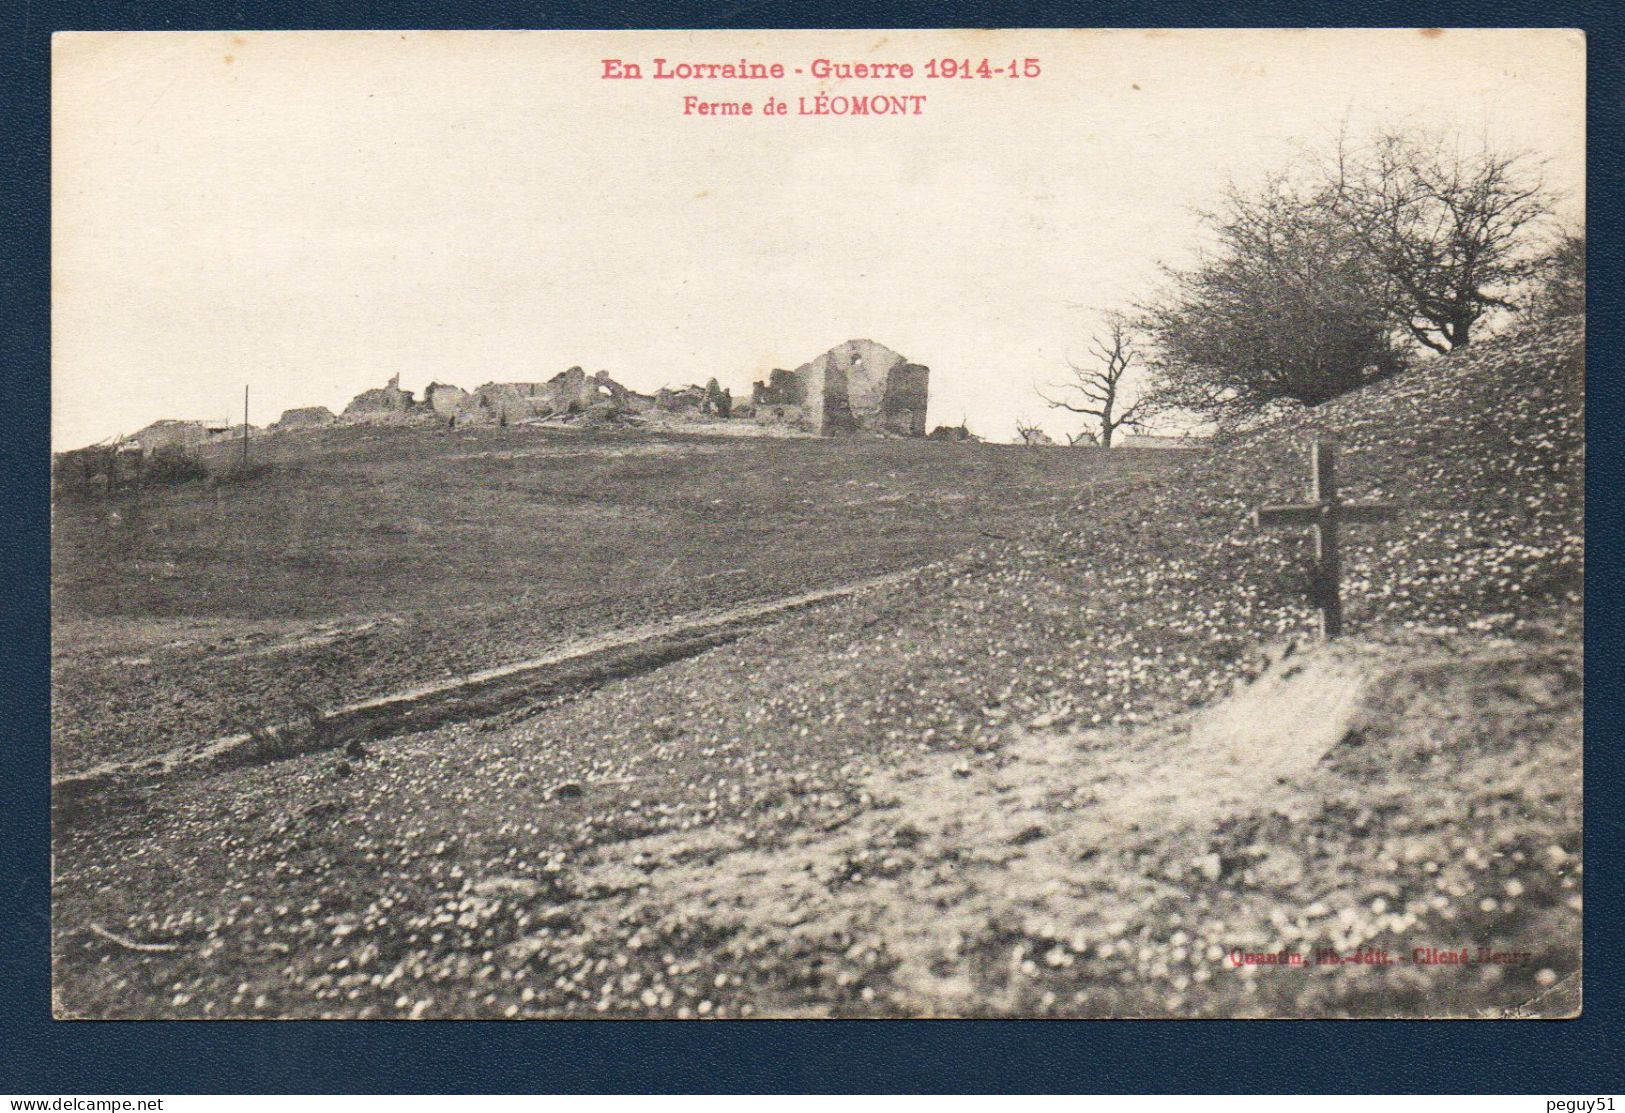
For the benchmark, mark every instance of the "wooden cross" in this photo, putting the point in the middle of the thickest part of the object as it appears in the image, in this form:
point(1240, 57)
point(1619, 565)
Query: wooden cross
point(1326, 513)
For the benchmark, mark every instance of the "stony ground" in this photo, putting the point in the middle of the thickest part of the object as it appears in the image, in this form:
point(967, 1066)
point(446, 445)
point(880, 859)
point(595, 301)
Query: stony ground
point(980, 793)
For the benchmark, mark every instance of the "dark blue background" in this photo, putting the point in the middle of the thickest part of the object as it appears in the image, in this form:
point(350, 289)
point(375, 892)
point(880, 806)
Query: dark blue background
point(38, 1055)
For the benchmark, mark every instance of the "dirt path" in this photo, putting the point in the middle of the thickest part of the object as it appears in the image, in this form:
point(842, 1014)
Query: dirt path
point(688, 633)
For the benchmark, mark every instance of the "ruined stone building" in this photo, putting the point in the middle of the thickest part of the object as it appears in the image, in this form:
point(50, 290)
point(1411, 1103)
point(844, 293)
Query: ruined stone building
point(569, 392)
point(305, 417)
point(781, 400)
point(856, 386)
point(719, 402)
point(174, 433)
point(381, 401)
point(859, 386)
point(687, 400)
point(573, 391)
point(710, 400)
point(506, 403)
point(445, 399)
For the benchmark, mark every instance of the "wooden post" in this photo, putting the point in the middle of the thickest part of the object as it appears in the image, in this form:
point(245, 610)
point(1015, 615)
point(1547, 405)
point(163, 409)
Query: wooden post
point(245, 427)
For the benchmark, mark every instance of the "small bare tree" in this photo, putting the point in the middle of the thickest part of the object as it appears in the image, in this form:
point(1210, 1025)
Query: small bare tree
point(1100, 391)
point(1031, 435)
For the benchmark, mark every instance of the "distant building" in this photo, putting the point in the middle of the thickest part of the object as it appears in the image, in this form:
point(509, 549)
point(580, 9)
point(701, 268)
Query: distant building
point(305, 417)
point(387, 399)
point(572, 391)
point(174, 433)
point(445, 399)
point(856, 386)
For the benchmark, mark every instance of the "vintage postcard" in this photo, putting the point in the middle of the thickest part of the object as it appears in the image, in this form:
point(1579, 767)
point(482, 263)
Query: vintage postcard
point(856, 523)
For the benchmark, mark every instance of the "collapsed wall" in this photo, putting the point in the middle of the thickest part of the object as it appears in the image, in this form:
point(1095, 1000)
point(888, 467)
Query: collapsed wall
point(505, 403)
point(569, 392)
point(710, 400)
point(176, 434)
point(387, 400)
point(305, 417)
point(445, 399)
point(903, 406)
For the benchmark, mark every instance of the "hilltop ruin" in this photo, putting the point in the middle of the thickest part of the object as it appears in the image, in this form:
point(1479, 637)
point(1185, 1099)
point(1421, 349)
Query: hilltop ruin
point(388, 399)
point(859, 386)
point(180, 435)
point(306, 417)
point(856, 387)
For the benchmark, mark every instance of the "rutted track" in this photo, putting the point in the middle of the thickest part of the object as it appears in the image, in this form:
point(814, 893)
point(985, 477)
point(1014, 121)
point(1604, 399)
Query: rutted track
point(575, 666)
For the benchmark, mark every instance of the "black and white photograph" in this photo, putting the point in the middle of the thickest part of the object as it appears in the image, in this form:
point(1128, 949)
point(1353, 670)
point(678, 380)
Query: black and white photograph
point(816, 524)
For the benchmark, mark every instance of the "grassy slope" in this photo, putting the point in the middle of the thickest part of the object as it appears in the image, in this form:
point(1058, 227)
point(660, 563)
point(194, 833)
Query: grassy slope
point(317, 887)
point(411, 554)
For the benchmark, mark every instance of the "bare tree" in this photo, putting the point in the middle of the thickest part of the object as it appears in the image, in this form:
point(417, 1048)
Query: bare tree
point(1100, 391)
point(1031, 435)
point(1450, 229)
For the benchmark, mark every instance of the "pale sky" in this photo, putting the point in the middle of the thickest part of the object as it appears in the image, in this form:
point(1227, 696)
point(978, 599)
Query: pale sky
point(311, 213)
